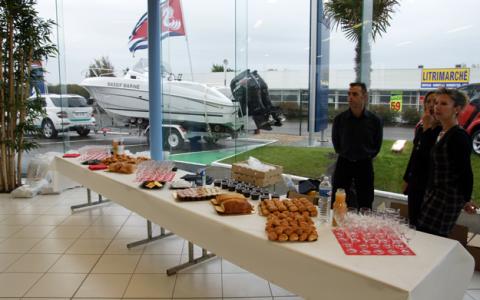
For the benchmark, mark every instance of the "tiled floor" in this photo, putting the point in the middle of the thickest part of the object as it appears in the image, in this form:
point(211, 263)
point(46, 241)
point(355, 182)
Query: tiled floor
point(46, 251)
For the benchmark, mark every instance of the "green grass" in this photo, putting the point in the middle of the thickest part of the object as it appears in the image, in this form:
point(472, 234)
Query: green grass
point(313, 162)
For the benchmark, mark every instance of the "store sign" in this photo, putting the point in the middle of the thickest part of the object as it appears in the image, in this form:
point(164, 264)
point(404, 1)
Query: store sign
point(396, 100)
point(450, 78)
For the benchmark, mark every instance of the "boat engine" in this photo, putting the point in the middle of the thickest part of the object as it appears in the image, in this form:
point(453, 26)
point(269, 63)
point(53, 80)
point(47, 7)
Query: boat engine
point(251, 91)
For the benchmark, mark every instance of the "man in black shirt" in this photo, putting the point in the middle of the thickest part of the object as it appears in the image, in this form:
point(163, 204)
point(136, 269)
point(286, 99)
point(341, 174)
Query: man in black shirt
point(357, 138)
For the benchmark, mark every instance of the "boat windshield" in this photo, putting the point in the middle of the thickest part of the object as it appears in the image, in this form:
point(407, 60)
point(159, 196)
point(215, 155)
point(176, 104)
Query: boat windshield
point(142, 67)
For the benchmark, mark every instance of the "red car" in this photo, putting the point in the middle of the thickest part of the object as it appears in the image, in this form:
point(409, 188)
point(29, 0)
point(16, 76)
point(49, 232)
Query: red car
point(469, 117)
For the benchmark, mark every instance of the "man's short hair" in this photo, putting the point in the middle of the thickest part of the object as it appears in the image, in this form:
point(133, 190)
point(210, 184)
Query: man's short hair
point(361, 85)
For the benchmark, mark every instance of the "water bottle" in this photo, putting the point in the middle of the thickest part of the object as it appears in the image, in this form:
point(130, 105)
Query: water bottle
point(325, 191)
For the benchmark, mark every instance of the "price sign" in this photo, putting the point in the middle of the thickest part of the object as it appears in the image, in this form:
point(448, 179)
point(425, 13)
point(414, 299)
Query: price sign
point(396, 102)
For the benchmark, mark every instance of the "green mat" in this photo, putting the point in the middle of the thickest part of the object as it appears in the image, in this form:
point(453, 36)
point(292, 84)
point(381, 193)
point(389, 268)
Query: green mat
point(208, 157)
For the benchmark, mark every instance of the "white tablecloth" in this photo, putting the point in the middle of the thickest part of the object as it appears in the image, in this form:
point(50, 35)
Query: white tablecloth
point(441, 269)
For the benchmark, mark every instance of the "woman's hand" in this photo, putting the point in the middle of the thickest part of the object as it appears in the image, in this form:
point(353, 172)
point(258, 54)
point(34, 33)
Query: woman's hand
point(470, 208)
point(428, 120)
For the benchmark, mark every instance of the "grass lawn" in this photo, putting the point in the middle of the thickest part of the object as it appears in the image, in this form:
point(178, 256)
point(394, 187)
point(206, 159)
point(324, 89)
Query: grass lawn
point(313, 162)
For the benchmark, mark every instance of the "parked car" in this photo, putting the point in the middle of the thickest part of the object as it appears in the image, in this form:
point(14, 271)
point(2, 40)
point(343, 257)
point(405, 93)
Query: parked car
point(469, 117)
point(65, 113)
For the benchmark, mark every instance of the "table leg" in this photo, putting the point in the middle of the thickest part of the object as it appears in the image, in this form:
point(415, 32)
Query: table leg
point(150, 237)
point(191, 260)
point(89, 201)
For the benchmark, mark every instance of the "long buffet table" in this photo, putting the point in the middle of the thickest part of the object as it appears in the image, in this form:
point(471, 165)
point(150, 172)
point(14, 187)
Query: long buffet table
point(441, 269)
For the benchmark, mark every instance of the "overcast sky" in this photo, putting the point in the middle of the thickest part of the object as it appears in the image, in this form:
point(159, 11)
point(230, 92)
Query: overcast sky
point(433, 33)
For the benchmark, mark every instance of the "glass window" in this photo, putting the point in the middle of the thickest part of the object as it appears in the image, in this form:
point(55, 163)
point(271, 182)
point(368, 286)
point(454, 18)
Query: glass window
point(69, 101)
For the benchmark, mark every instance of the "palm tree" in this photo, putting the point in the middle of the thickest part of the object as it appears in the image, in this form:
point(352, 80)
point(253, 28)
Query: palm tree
point(347, 14)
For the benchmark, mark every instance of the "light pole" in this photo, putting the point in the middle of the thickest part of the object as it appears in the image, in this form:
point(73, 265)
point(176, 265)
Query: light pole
point(225, 64)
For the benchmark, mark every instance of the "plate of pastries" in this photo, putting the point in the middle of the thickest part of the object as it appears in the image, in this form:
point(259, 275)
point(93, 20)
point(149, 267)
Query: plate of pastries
point(198, 193)
point(124, 164)
point(301, 205)
point(289, 226)
point(152, 184)
point(232, 204)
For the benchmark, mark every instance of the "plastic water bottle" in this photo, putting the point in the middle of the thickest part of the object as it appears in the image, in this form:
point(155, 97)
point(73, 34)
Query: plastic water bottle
point(325, 191)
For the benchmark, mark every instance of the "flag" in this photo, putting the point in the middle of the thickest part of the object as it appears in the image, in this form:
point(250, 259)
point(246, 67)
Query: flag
point(172, 25)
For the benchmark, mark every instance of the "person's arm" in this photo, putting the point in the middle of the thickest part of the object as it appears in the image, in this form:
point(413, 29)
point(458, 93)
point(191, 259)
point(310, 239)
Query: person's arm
point(406, 175)
point(460, 148)
point(336, 134)
point(378, 136)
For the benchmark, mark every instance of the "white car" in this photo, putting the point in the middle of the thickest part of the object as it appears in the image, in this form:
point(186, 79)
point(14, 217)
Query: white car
point(65, 113)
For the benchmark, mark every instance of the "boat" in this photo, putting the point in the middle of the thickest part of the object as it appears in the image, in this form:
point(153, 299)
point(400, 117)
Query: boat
point(194, 106)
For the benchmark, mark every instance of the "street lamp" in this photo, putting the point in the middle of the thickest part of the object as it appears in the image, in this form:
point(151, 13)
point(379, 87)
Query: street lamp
point(225, 64)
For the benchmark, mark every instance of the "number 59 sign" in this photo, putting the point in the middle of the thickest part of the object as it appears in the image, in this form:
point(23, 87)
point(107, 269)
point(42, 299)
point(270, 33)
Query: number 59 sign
point(396, 103)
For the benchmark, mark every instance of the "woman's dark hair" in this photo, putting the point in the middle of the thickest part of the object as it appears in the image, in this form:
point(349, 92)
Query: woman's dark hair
point(459, 98)
point(425, 98)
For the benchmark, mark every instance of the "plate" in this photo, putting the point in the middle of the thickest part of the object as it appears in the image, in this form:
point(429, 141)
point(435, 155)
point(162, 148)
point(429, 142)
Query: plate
point(152, 185)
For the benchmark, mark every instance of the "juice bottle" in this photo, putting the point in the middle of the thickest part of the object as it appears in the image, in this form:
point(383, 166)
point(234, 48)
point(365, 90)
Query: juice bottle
point(339, 207)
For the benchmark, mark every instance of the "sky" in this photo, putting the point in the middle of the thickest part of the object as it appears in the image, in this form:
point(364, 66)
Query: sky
point(432, 33)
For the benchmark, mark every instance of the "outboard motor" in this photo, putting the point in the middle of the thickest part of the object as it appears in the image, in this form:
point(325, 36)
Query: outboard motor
point(251, 91)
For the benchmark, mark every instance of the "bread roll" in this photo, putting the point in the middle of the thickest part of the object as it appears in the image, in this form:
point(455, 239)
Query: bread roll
point(236, 206)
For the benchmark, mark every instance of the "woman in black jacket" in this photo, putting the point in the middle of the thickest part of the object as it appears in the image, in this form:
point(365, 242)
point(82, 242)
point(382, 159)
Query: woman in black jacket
point(415, 178)
point(450, 177)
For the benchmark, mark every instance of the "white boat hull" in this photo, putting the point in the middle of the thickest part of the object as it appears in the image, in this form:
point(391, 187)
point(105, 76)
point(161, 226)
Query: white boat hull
point(183, 101)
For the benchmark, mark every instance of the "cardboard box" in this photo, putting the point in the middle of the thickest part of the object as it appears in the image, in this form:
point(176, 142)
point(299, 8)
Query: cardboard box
point(313, 199)
point(258, 178)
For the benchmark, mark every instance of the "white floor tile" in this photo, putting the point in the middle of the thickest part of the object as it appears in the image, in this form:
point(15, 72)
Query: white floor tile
point(33, 231)
point(228, 267)
point(150, 286)
point(19, 219)
point(88, 246)
point(288, 298)
point(17, 245)
point(74, 263)
point(157, 263)
point(66, 232)
point(56, 285)
point(198, 285)
point(135, 220)
point(263, 298)
point(33, 263)
point(169, 245)
point(104, 286)
point(100, 232)
point(52, 246)
point(467, 296)
point(132, 232)
point(17, 284)
point(475, 294)
point(8, 230)
point(245, 285)
point(116, 264)
point(119, 246)
point(7, 259)
point(75, 220)
point(110, 220)
point(48, 220)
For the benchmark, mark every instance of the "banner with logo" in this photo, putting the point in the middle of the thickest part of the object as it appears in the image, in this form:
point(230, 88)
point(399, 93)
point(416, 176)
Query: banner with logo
point(449, 78)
